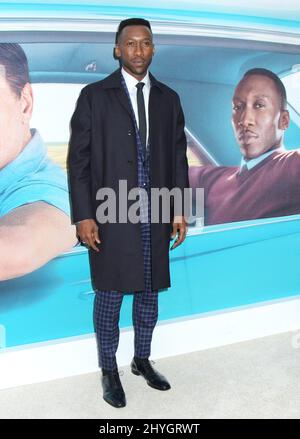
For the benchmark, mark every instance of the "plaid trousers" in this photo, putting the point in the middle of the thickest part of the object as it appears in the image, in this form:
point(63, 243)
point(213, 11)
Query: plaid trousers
point(107, 304)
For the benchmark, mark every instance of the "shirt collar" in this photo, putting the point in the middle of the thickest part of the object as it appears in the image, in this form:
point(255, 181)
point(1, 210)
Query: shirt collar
point(131, 81)
point(29, 159)
point(253, 162)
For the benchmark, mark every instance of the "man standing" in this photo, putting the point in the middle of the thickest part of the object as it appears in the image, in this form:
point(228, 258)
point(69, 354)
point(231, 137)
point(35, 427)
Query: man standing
point(127, 127)
point(266, 183)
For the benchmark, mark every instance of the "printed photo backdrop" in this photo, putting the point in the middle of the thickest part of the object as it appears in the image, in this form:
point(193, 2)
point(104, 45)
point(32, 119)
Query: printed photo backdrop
point(55, 300)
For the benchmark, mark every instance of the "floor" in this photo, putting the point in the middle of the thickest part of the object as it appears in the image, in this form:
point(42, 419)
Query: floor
point(254, 379)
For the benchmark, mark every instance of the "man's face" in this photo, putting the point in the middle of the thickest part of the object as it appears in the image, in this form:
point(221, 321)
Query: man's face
point(257, 119)
point(15, 114)
point(135, 50)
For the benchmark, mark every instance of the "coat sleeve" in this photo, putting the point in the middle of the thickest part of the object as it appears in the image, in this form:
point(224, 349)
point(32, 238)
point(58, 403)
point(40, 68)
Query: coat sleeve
point(79, 160)
point(181, 163)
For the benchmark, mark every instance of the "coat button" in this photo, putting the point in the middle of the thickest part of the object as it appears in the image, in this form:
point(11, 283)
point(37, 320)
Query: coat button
point(129, 133)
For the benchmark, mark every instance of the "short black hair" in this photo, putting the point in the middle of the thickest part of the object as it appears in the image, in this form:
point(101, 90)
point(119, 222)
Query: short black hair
point(131, 22)
point(276, 80)
point(15, 63)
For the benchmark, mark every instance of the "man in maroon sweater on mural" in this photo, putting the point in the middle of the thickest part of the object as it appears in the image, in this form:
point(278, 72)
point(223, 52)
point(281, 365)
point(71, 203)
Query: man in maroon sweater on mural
point(267, 184)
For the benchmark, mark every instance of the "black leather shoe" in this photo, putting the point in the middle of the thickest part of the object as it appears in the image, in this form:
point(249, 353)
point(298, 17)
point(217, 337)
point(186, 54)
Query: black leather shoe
point(113, 392)
point(142, 366)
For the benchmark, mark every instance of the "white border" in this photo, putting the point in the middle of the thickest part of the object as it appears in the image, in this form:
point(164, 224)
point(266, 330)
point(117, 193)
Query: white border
point(72, 356)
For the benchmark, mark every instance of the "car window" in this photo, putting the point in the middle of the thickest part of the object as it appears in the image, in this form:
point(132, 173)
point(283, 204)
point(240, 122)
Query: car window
point(292, 85)
point(205, 90)
point(53, 120)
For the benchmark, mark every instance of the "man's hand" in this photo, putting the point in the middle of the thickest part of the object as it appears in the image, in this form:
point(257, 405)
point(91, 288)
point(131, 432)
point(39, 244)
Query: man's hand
point(179, 229)
point(87, 232)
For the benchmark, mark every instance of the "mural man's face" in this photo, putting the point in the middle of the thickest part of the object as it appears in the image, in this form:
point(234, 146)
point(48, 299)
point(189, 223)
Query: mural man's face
point(257, 117)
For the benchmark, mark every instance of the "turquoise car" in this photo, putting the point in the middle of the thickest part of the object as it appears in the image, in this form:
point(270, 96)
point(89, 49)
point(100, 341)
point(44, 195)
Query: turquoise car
point(201, 52)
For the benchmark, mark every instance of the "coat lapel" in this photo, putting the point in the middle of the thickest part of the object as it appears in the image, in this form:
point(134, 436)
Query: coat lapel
point(155, 109)
point(113, 81)
point(121, 95)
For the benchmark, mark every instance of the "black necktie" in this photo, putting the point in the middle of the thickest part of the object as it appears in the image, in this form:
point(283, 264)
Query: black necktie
point(142, 115)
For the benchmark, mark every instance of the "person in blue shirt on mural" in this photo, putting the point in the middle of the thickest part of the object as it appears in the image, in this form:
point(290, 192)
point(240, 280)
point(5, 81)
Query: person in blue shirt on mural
point(34, 201)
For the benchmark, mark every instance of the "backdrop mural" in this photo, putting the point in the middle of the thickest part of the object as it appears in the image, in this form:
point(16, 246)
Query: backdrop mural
point(43, 273)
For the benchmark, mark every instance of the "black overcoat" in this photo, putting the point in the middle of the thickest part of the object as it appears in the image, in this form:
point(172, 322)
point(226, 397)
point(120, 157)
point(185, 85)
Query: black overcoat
point(102, 151)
